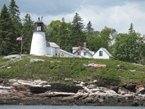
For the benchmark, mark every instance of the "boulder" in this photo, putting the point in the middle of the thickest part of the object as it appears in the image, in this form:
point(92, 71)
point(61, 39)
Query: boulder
point(140, 90)
point(131, 87)
point(94, 65)
point(39, 88)
point(36, 60)
point(13, 81)
point(68, 79)
point(6, 88)
point(78, 95)
point(11, 56)
point(62, 87)
point(124, 91)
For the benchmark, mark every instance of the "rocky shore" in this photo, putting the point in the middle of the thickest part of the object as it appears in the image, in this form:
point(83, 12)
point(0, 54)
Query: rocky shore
point(92, 93)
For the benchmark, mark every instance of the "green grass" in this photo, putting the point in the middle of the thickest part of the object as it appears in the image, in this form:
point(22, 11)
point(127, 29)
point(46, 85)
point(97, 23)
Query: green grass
point(72, 68)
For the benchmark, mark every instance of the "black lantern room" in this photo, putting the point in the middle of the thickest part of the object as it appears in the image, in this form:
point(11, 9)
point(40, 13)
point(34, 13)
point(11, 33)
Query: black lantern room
point(38, 26)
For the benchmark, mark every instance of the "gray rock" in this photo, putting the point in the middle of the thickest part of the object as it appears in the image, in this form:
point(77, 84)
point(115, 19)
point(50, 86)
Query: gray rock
point(36, 60)
point(68, 79)
point(12, 56)
point(13, 80)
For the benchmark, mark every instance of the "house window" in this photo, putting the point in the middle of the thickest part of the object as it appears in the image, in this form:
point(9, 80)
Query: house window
point(100, 53)
point(84, 53)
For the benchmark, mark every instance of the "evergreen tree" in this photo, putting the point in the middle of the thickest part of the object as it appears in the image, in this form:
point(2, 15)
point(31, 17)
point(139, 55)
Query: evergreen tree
point(27, 32)
point(52, 31)
point(89, 28)
point(6, 33)
point(131, 28)
point(14, 12)
point(64, 36)
point(77, 35)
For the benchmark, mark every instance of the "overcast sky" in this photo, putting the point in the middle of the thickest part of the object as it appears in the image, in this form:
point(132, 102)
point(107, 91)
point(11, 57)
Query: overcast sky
point(117, 14)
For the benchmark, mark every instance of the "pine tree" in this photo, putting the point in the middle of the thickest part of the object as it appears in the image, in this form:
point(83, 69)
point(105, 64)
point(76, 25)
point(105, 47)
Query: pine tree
point(14, 12)
point(64, 34)
point(6, 32)
point(77, 35)
point(89, 28)
point(27, 32)
point(131, 28)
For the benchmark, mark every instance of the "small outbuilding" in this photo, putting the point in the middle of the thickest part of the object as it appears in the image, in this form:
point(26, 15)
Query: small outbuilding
point(102, 53)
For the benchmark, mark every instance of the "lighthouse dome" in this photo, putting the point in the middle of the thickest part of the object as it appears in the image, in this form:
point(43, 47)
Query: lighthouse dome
point(38, 26)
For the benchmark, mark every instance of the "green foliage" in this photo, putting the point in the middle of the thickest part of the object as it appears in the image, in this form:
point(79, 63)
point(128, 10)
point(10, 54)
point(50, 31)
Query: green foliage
point(129, 47)
point(89, 29)
point(17, 27)
point(64, 36)
point(77, 37)
point(72, 68)
point(6, 32)
point(27, 32)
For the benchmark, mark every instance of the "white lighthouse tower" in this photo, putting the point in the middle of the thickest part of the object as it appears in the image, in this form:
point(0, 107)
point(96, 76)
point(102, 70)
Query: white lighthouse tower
point(38, 44)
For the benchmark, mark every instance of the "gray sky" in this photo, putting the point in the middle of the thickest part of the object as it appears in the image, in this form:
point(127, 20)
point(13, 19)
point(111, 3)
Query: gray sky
point(117, 14)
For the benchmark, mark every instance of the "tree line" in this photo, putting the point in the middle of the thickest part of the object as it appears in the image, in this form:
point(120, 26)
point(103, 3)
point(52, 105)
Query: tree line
point(126, 47)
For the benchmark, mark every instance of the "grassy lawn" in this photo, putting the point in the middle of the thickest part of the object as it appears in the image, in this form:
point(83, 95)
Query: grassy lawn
point(62, 68)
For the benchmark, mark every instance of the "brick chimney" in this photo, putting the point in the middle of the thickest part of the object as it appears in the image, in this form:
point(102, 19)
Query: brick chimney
point(85, 45)
point(79, 50)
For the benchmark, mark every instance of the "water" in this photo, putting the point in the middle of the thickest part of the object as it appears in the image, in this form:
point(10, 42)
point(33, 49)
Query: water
point(66, 107)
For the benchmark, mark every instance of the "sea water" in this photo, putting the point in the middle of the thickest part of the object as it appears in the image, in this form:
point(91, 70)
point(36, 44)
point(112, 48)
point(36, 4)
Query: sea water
point(66, 107)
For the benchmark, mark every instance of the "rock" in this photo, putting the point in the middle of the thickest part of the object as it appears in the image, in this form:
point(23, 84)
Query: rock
point(60, 94)
point(13, 80)
point(39, 88)
point(135, 103)
point(95, 81)
point(9, 67)
point(140, 90)
point(96, 65)
point(36, 60)
point(21, 88)
point(115, 88)
point(78, 95)
point(97, 90)
point(131, 87)
point(4, 91)
point(6, 88)
point(40, 82)
point(11, 56)
point(61, 87)
point(124, 91)
point(82, 84)
point(76, 82)
point(91, 86)
point(87, 90)
point(132, 70)
point(68, 79)
point(137, 64)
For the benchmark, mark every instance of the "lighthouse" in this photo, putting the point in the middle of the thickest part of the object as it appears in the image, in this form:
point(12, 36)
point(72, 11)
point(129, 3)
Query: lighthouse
point(38, 44)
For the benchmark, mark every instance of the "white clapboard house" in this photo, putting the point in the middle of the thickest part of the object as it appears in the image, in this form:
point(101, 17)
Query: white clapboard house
point(102, 53)
point(82, 51)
